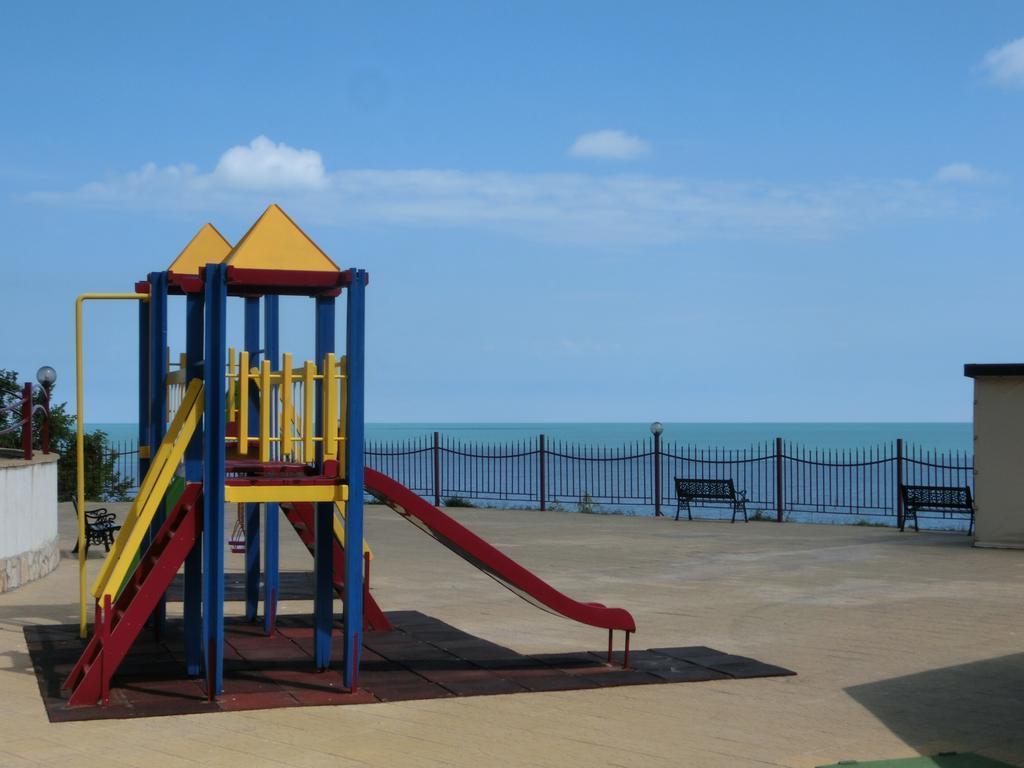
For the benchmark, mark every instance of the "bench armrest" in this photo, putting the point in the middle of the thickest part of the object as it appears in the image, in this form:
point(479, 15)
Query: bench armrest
point(100, 516)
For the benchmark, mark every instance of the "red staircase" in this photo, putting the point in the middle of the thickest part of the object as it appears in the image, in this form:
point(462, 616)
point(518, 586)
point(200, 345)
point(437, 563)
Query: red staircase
point(119, 625)
point(301, 516)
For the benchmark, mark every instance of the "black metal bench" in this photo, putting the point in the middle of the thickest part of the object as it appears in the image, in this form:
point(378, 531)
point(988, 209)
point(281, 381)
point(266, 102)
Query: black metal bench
point(100, 528)
point(722, 491)
point(945, 499)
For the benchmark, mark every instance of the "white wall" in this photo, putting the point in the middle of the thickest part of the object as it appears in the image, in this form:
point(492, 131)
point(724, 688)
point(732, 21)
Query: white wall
point(28, 519)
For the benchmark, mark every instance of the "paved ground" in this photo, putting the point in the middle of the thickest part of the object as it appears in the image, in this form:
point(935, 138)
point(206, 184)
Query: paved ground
point(904, 644)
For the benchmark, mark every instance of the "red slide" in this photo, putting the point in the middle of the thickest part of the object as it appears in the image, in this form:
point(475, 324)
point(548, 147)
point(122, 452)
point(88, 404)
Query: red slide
point(498, 566)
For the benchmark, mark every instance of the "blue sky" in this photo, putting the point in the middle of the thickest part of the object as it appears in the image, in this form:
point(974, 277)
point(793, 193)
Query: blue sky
point(570, 211)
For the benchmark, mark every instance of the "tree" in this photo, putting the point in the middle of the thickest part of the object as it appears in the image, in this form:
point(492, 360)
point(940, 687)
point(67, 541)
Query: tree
point(102, 479)
point(10, 395)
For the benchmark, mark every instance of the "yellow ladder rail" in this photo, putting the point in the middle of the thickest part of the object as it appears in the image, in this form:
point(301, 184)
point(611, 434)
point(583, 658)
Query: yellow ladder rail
point(146, 487)
point(122, 554)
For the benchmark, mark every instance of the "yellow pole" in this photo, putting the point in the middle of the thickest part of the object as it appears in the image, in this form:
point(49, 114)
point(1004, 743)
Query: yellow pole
point(308, 392)
point(286, 404)
point(243, 403)
point(343, 418)
point(83, 617)
point(231, 384)
point(330, 392)
point(265, 399)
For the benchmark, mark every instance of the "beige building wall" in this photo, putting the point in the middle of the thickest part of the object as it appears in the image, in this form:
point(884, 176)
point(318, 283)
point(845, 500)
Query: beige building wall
point(999, 461)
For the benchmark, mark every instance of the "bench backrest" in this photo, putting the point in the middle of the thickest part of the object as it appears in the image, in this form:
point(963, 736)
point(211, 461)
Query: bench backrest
point(937, 497)
point(705, 489)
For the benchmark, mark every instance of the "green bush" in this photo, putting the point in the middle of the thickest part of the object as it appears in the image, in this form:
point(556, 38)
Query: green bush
point(102, 480)
point(587, 505)
point(458, 501)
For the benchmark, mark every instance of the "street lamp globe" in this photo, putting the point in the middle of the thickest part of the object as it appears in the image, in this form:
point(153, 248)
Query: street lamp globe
point(46, 376)
point(656, 428)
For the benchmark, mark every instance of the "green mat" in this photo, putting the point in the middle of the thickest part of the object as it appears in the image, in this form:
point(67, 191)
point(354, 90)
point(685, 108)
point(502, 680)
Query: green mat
point(952, 760)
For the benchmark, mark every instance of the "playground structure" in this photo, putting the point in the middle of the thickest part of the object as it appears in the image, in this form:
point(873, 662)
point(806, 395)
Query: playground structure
point(253, 428)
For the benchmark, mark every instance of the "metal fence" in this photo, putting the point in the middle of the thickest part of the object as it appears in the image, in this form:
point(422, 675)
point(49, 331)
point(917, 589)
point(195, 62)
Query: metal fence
point(125, 455)
point(781, 480)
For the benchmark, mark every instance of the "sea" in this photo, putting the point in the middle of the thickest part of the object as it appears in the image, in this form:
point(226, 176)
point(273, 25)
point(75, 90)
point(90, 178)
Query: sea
point(928, 436)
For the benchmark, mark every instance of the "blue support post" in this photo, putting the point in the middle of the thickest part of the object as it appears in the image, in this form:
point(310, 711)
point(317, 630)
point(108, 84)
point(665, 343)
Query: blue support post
point(252, 511)
point(145, 434)
point(271, 567)
point(214, 427)
point(157, 404)
point(355, 344)
point(194, 474)
point(323, 548)
point(144, 386)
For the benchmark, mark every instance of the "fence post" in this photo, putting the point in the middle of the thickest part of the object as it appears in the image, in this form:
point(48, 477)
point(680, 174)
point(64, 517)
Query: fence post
point(899, 482)
point(44, 437)
point(26, 420)
point(542, 476)
point(437, 470)
point(779, 496)
point(657, 474)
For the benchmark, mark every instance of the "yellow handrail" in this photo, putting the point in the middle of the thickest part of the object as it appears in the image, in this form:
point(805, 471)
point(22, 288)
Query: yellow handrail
point(158, 478)
point(83, 614)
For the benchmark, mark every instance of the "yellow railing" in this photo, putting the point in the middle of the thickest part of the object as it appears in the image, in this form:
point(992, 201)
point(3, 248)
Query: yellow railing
point(287, 407)
point(286, 418)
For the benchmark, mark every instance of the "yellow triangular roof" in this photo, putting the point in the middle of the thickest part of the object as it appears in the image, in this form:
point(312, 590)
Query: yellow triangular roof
point(207, 247)
point(276, 242)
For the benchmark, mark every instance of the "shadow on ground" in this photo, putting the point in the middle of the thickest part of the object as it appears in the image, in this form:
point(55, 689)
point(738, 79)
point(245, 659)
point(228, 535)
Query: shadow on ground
point(969, 706)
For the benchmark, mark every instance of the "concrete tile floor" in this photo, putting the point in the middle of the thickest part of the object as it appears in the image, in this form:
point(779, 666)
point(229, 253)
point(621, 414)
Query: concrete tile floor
point(903, 644)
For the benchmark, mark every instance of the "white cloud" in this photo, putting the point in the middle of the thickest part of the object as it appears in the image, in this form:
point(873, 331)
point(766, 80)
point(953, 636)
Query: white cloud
point(960, 173)
point(614, 145)
point(268, 166)
point(1005, 65)
point(585, 208)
